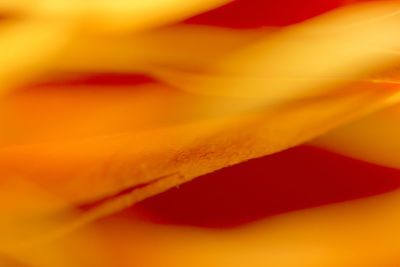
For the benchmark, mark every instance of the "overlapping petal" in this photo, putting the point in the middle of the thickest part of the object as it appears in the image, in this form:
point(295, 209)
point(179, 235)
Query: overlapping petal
point(71, 155)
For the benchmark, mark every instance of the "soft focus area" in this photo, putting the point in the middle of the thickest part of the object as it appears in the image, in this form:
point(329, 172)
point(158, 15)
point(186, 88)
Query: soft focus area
point(217, 133)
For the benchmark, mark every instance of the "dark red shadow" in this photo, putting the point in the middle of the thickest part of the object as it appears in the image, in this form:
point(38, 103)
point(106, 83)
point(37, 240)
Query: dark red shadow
point(295, 179)
point(95, 79)
point(259, 13)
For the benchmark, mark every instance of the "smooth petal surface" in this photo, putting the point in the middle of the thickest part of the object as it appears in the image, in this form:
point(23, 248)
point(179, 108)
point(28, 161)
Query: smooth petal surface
point(374, 138)
point(302, 60)
point(111, 16)
point(335, 235)
point(72, 154)
point(27, 49)
point(39, 30)
point(190, 47)
point(90, 169)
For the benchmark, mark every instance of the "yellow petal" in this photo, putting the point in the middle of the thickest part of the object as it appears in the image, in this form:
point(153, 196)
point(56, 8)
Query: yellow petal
point(190, 47)
point(374, 138)
point(303, 60)
point(121, 15)
point(27, 48)
point(111, 16)
point(159, 158)
point(357, 233)
point(162, 156)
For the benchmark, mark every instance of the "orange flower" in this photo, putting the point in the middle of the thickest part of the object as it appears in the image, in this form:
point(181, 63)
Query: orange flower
point(182, 100)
